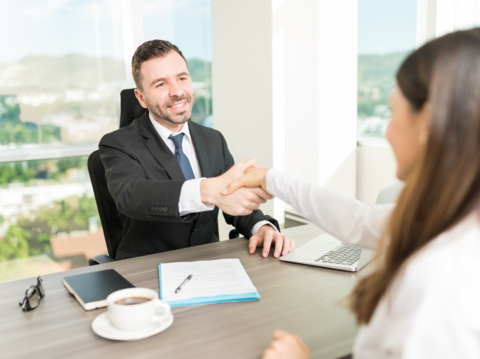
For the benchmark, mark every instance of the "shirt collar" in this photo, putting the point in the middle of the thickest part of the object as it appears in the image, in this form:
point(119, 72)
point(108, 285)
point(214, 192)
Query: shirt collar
point(164, 132)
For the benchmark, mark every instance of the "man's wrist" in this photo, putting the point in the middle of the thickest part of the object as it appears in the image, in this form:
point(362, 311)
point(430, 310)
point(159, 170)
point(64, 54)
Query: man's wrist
point(260, 224)
point(190, 200)
point(207, 192)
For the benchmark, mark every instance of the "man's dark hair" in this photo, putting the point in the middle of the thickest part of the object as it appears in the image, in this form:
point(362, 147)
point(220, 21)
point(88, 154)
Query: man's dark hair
point(149, 50)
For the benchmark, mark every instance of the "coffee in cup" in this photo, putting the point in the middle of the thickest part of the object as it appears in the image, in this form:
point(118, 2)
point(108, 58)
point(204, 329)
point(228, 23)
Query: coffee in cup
point(135, 309)
point(132, 300)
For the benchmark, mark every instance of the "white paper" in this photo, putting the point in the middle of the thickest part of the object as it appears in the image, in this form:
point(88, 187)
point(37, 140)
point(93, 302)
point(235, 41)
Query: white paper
point(212, 281)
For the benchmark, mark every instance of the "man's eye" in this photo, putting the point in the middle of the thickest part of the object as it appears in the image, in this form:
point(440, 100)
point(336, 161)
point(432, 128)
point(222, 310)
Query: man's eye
point(160, 84)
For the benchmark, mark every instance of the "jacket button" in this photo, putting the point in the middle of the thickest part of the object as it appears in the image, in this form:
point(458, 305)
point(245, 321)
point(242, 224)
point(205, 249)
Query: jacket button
point(159, 209)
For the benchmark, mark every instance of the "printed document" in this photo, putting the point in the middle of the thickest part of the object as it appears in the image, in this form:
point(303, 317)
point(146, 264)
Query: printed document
point(204, 282)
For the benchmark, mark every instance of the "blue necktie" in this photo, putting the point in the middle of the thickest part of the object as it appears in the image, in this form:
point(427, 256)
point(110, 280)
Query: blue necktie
point(181, 157)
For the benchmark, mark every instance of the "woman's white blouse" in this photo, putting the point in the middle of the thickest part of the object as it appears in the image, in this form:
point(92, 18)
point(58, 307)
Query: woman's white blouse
point(432, 309)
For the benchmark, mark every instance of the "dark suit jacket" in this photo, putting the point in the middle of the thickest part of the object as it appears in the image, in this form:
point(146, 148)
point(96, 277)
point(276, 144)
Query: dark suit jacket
point(145, 180)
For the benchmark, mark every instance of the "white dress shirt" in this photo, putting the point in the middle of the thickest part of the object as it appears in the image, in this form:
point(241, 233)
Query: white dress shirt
point(432, 307)
point(190, 200)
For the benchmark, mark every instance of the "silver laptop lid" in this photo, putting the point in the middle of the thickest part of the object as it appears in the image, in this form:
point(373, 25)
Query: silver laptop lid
point(328, 252)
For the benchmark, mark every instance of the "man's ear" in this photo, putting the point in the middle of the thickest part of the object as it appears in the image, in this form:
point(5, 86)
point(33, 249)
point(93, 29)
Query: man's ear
point(139, 96)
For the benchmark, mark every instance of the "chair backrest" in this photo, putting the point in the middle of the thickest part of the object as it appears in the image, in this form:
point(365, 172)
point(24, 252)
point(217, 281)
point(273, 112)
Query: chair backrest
point(112, 220)
point(389, 194)
point(130, 108)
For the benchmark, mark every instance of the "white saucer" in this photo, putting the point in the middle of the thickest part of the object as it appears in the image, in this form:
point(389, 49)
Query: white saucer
point(102, 326)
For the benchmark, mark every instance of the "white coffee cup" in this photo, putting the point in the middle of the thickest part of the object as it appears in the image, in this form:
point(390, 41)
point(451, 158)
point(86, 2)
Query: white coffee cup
point(135, 309)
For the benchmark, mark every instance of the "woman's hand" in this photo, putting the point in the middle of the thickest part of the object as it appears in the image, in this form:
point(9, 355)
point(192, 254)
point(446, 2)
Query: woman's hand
point(239, 202)
point(286, 346)
point(253, 177)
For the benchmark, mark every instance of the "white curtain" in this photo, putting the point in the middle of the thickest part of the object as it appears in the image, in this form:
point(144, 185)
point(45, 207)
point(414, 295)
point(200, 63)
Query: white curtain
point(438, 17)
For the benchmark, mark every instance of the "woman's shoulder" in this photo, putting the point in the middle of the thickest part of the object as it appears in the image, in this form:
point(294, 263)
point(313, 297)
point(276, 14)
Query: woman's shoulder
point(459, 242)
point(449, 261)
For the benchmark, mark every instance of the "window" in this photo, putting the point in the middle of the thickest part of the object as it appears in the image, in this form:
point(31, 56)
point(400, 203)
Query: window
point(61, 73)
point(174, 21)
point(63, 68)
point(386, 34)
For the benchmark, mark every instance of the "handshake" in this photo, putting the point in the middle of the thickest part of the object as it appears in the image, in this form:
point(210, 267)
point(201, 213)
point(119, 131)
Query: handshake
point(239, 191)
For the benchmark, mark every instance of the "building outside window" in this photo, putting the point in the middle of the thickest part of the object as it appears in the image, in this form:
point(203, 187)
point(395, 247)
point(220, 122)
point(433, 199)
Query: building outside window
point(387, 32)
point(61, 73)
point(386, 35)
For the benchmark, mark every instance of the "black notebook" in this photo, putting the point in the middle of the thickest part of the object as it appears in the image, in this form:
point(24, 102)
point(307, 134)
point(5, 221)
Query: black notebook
point(91, 289)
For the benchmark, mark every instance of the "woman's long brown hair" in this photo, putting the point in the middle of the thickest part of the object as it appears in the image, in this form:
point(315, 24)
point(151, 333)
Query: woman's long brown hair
point(444, 185)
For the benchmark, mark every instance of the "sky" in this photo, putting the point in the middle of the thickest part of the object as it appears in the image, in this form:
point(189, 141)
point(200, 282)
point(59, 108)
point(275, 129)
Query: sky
point(94, 27)
point(91, 27)
point(386, 26)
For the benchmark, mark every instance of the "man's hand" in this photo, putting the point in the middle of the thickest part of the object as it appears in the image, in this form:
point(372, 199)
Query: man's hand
point(241, 202)
point(286, 346)
point(265, 236)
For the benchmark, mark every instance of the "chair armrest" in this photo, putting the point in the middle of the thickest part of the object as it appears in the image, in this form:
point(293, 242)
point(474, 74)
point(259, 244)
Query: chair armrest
point(233, 234)
point(100, 259)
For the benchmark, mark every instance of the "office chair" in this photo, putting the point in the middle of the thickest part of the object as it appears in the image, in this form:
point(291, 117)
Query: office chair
point(389, 193)
point(130, 108)
point(111, 219)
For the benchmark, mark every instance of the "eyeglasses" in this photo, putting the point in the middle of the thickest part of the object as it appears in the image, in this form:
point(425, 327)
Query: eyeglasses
point(33, 296)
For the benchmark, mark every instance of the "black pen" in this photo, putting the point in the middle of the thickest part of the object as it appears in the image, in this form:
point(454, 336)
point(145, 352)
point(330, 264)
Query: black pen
point(183, 283)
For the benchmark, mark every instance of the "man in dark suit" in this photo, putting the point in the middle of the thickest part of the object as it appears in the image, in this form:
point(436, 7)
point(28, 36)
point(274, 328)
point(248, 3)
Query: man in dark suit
point(168, 187)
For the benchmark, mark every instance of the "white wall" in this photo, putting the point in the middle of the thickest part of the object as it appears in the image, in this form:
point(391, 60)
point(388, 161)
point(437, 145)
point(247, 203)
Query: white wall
point(284, 86)
point(376, 168)
point(242, 81)
point(242, 76)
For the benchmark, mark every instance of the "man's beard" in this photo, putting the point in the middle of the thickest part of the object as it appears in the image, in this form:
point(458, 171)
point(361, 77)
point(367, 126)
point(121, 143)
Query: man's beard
point(161, 111)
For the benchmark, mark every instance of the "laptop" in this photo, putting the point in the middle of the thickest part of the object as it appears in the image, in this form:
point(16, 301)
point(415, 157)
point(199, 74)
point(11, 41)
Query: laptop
point(328, 252)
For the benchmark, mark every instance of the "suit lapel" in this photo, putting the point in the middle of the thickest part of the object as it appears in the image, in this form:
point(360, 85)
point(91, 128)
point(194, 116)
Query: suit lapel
point(159, 149)
point(201, 145)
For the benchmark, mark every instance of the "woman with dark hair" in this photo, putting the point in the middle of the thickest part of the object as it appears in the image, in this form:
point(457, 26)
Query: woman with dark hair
point(421, 299)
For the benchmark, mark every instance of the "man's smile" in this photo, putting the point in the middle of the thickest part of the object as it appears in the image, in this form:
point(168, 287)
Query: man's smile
point(179, 106)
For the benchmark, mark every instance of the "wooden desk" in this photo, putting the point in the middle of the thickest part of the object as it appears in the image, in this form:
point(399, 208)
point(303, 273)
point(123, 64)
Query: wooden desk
point(296, 298)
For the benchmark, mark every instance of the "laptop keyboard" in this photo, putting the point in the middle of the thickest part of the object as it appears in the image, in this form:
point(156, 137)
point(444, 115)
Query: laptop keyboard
point(345, 254)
